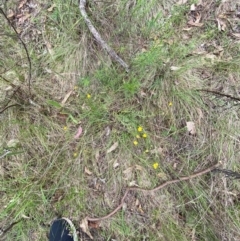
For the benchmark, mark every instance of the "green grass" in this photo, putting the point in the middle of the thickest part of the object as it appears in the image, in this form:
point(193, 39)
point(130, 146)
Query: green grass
point(46, 173)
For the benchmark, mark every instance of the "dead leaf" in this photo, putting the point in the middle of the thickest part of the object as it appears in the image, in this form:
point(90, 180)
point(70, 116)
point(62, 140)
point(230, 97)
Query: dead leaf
point(185, 36)
point(25, 216)
point(221, 24)
point(113, 147)
point(51, 8)
point(62, 117)
point(128, 173)
point(21, 4)
point(218, 51)
point(158, 150)
point(169, 41)
point(57, 196)
point(174, 68)
point(22, 19)
point(115, 165)
point(198, 18)
point(95, 225)
point(193, 7)
point(187, 29)
point(66, 97)
point(87, 171)
point(180, 2)
point(162, 175)
point(191, 127)
point(85, 228)
point(133, 184)
point(236, 35)
point(13, 143)
point(195, 24)
point(11, 14)
point(107, 130)
point(2, 171)
point(124, 207)
point(200, 115)
point(97, 155)
point(79, 132)
point(139, 206)
point(49, 46)
point(138, 167)
point(212, 57)
point(195, 18)
point(108, 202)
point(143, 94)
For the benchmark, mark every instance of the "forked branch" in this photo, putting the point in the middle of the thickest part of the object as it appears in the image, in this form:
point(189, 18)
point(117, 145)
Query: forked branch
point(95, 33)
point(161, 186)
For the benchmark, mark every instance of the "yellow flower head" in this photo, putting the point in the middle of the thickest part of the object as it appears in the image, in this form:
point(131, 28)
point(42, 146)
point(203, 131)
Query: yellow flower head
point(144, 135)
point(135, 143)
point(147, 151)
point(75, 154)
point(137, 136)
point(140, 129)
point(88, 96)
point(170, 103)
point(155, 165)
point(65, 128)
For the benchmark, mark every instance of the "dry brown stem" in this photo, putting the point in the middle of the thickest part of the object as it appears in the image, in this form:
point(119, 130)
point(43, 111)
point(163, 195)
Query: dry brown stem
point(167, 183)
point(95, 33)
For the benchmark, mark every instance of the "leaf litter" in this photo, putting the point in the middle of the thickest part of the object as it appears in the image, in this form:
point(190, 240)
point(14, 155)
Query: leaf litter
point(112, 148)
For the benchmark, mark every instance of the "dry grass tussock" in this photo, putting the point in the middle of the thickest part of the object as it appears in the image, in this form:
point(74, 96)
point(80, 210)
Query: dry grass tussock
point(46, 171)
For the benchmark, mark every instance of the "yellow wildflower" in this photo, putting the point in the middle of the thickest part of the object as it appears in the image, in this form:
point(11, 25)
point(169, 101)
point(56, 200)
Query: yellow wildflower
point(144, 135)
point(170, 104)
point(140, 129)
point(146, 151)
point(137, 136)
point(75, 87)
point(88, 96)
point(75, 154)
point(65, 128)
point(155, 165)
point(135, 143)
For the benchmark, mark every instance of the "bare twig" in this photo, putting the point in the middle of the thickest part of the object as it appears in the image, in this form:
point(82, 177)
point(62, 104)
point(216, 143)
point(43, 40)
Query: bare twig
point(95, 33)
point(4, 231)
point(25, 48)
point(220, 94)
point(167, 183)
point(6, 107)
point(228, 173)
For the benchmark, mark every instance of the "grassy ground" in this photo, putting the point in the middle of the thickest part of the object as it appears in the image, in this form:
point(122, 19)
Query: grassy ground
point(74, 83)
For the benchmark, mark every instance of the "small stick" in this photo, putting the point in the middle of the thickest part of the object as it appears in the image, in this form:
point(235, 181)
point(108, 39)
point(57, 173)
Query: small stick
point(221, 94)
point(4, 231)
point(95, 33)
point(9, 106)
point(167, 183)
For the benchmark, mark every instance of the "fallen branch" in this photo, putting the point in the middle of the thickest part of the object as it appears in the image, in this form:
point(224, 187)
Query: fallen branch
point(220, 94)
point(167, 183)
point(101, 42)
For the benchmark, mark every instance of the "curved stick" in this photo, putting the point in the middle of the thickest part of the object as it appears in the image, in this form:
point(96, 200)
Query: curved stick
point(103, 44)
point(167, 183)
